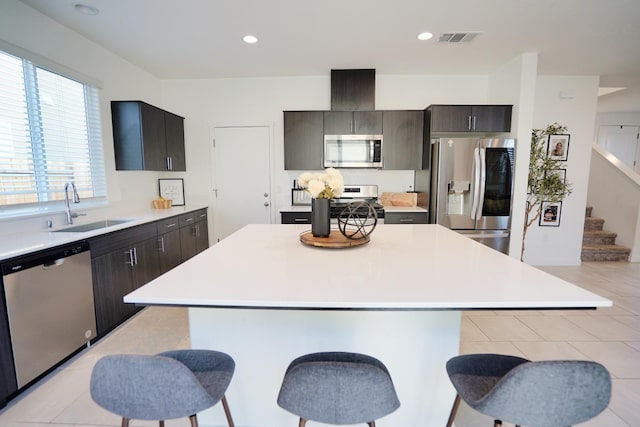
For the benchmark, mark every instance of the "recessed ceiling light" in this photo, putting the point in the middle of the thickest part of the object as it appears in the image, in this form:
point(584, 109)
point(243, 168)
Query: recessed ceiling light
point(425, 36)
point(250, 39)
point(86, 9)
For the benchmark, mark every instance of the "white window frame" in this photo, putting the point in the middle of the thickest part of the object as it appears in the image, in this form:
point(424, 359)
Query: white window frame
point(93, 130)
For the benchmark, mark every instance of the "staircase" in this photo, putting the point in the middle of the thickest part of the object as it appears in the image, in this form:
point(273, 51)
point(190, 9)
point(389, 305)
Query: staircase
point(598, 244)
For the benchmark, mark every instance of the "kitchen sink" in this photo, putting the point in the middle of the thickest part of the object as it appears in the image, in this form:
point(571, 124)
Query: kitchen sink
point(93, 226)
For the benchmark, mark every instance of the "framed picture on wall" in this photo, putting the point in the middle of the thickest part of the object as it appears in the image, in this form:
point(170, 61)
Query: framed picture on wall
point(172, 189)
point(558, 147)
point(550, 215)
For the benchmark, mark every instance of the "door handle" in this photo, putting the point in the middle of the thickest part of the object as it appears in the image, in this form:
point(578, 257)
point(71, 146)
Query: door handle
point(476, 182)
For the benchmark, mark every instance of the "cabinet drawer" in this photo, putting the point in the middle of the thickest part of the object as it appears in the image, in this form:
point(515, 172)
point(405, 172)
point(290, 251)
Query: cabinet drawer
point(200, 215)
point(187, 219)
point(296, 217)
point(406, 217)
point(168, 224)
point(105, 243)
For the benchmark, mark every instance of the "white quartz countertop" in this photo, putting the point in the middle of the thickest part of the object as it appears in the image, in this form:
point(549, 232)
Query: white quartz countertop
point(403, 267)
point(12, 245)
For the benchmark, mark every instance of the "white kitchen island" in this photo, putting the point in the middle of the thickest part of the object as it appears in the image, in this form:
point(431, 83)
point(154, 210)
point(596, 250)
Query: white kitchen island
point(265, 298)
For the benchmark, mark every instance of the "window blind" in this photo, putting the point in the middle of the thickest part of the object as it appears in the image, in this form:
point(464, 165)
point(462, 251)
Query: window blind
point(49, 135)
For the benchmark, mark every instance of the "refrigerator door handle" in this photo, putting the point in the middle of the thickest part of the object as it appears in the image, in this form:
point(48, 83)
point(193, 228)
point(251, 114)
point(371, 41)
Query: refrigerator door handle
point(482, 183)
point(476, 182)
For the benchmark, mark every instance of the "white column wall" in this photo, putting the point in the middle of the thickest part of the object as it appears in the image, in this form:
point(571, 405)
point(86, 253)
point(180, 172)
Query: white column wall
point(562, 245)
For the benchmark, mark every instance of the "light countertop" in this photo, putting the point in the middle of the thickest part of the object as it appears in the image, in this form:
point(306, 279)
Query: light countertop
point(307, 208)
point(414, 267)
point(12, 245)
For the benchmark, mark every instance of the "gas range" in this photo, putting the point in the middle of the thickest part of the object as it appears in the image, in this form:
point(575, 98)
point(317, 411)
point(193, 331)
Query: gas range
point(357, 193)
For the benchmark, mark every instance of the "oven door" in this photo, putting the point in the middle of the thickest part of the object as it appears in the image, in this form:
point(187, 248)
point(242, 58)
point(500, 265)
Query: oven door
point(353, 151)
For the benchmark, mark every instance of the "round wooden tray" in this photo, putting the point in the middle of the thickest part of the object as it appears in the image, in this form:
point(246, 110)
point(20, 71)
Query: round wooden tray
point(336, 240)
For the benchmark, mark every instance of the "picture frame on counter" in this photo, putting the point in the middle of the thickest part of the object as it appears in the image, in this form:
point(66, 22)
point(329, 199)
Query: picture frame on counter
point(550, 214)
point(172, 189)
point(558, 147)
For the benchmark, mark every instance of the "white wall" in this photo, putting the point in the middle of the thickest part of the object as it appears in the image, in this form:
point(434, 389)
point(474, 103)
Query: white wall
point(562, 245)
point(514, 83)
point(22, 26)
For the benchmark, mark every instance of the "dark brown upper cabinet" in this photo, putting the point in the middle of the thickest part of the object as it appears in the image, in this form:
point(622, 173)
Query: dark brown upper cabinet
point(353, 122)
point(470, 118)
point(403, 138)
point(353, 90)
point(147, 138)
point(303, 140)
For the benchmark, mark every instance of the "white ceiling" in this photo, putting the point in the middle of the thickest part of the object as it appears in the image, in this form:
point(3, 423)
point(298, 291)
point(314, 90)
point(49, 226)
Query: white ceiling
point(185, 39)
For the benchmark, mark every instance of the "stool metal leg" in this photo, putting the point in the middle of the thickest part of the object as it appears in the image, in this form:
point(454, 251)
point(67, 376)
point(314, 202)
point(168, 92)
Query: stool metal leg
point(454, 410)
point(372, 424)
point(302, 422)
point(227, 412)
point(161, 423)
point(193, 419)
point(125, 422)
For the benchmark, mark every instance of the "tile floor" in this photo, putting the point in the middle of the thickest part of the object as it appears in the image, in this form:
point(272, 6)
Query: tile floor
point(610, 336)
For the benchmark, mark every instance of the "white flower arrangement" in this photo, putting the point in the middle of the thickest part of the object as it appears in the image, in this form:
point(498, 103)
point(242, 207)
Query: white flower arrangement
point(327, 185)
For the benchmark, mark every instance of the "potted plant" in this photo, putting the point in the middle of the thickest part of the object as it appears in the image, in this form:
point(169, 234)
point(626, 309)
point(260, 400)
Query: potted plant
point(545, 184)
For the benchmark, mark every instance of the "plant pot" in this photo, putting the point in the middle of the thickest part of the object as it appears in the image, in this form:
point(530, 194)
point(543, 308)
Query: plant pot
point(320, 217)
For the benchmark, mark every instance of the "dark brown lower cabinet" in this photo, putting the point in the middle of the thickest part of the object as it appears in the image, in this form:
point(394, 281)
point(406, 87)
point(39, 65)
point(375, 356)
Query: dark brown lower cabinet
point(194, 233)
point(120, 263)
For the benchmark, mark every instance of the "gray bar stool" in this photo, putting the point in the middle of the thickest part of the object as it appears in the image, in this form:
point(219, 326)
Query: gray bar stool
point(535, 394)
point(169, 385)
point(338, 388)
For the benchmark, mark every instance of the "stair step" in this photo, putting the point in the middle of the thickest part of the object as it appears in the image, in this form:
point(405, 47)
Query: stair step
point(593, 223)
point(588, 211)
point(599, 237)
point(605, 253)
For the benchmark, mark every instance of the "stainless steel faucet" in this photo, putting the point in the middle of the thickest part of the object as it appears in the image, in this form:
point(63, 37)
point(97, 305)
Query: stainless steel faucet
point(76, 199)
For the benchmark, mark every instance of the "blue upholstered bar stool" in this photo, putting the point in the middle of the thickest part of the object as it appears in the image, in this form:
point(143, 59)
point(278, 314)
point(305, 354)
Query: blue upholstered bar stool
point(173, 384)
point(533, 394)
point(338, 388)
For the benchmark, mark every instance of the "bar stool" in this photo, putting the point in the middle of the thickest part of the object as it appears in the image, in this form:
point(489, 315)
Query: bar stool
point(168, 385)
point(338, 388)
point(535, 394)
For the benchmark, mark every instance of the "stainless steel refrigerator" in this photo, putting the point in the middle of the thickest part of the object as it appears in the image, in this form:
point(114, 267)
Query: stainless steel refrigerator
point(472, 187)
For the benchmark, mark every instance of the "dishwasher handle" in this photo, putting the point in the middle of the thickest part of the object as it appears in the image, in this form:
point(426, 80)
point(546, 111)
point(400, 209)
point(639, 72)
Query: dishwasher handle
point(53, 264)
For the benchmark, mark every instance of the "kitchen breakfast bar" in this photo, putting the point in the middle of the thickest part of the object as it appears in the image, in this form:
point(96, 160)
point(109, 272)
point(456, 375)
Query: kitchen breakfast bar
point(265, 298)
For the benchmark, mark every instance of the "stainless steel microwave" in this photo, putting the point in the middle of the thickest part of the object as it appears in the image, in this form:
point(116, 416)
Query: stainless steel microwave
point(353, 151)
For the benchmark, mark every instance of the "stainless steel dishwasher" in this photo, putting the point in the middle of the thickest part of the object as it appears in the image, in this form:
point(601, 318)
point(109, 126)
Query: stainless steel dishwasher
point(50, 307)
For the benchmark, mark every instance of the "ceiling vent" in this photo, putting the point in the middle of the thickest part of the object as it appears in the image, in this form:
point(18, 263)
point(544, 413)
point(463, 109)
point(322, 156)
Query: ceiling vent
point(457, 37)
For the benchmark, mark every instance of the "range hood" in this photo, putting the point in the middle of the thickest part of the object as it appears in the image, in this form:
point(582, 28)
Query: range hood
point(353, 90)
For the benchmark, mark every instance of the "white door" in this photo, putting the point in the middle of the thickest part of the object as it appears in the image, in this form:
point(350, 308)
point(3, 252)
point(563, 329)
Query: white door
point(622, 142)
point(241, 178)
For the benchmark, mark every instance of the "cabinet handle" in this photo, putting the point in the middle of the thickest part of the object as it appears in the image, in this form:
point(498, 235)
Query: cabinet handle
point(188, 219)
point(301, 219)
point(197, 230)
point(406, 219)
point(161, 241)
point(135, 256)
point(469, 123)
point(204, 215)
point(474, 122)
point(173, 224)
point(169, 163)
point(130, 253)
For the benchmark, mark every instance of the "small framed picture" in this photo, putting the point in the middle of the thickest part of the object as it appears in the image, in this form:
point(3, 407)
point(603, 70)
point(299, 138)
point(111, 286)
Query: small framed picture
point(550, 215)
point(558, 147)
point(172, 189)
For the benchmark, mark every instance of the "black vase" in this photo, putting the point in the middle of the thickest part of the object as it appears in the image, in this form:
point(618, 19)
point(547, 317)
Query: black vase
point(320, 217)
